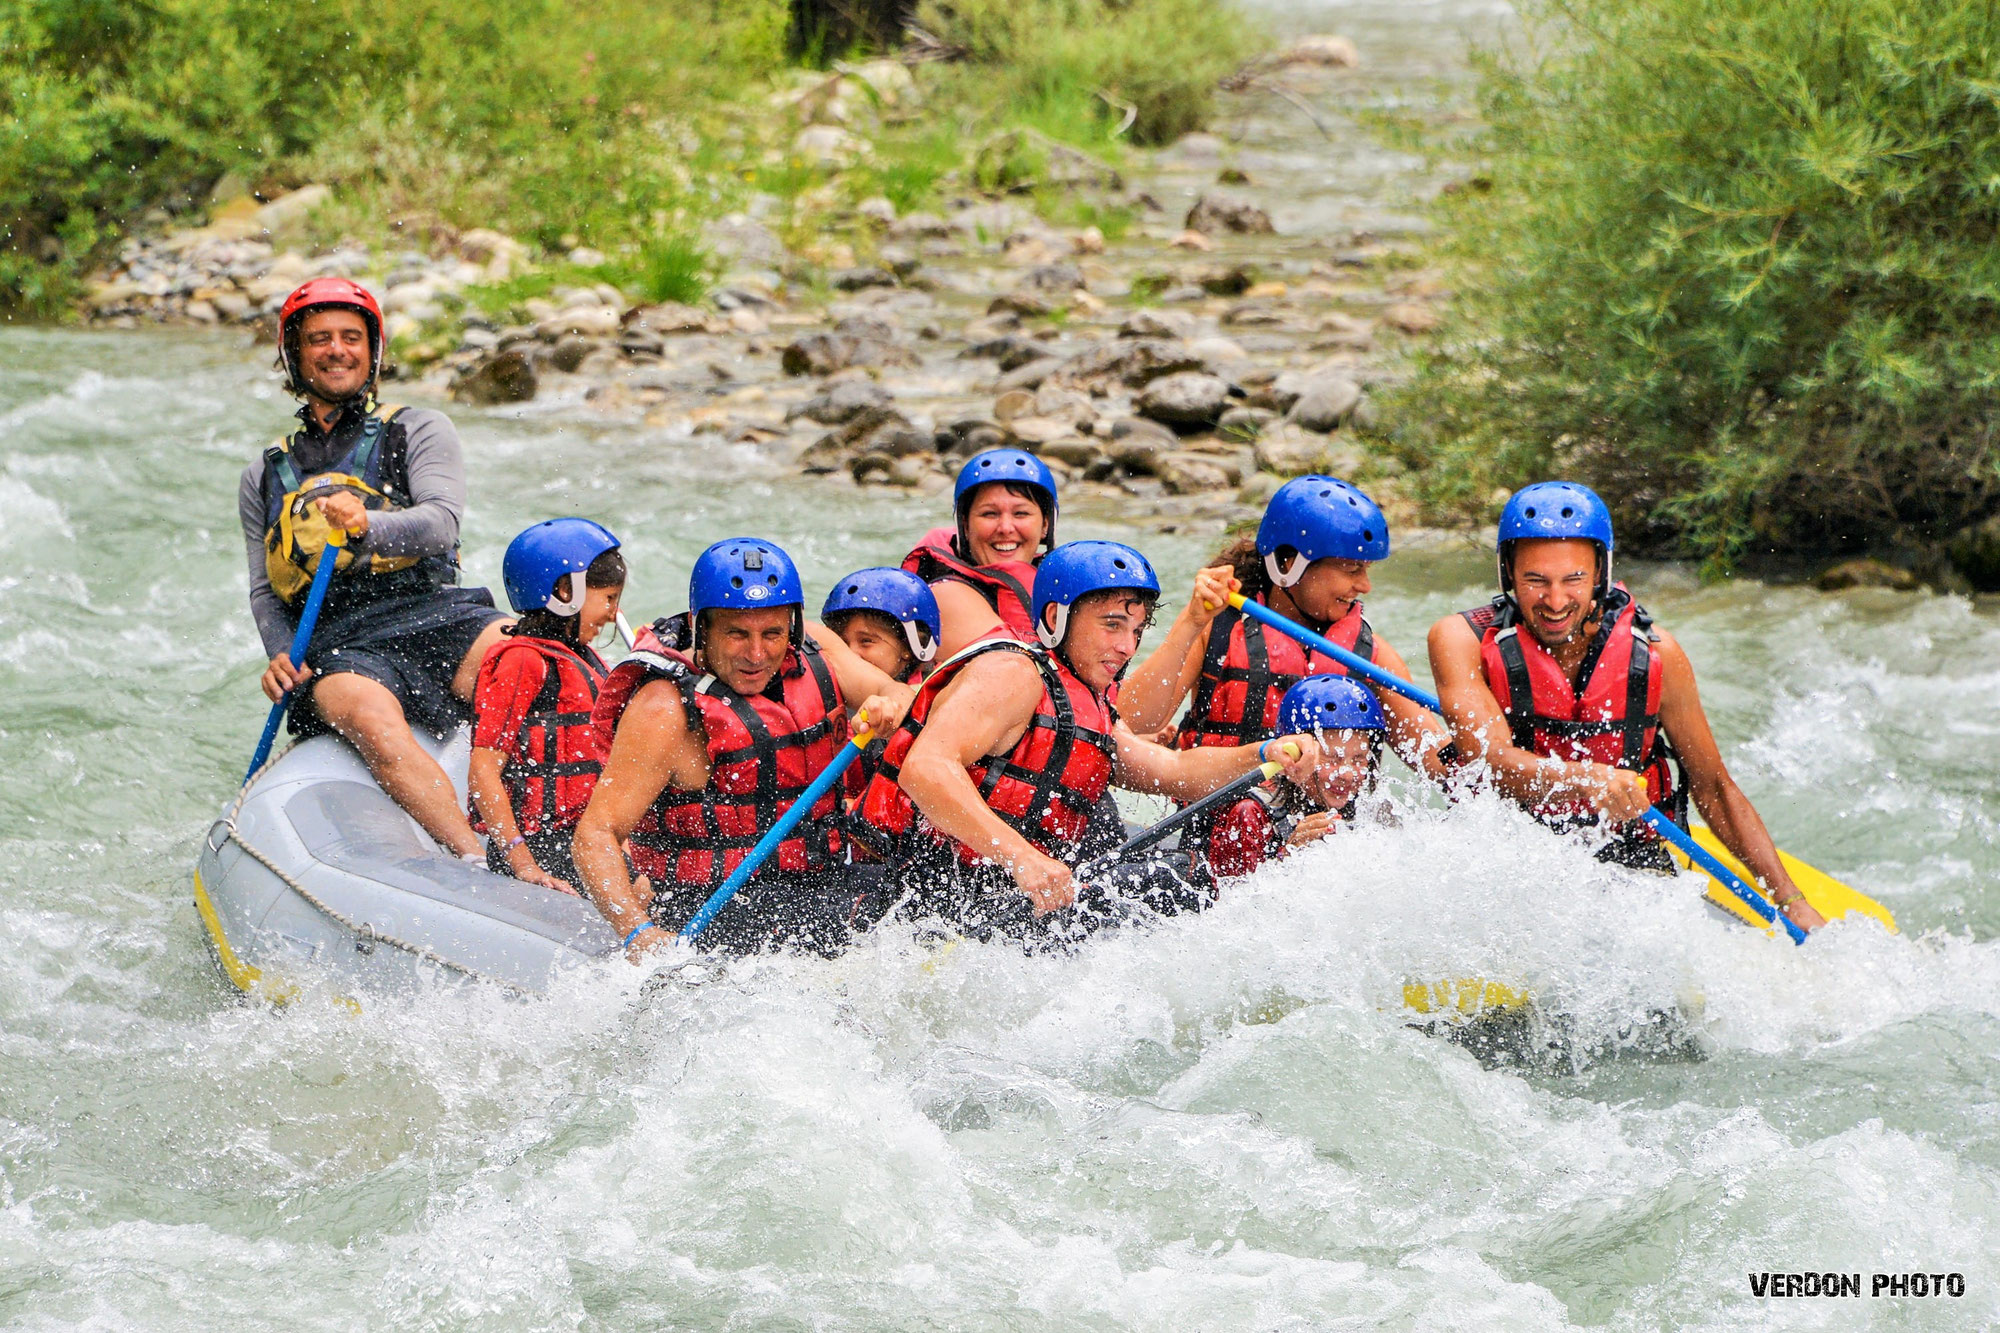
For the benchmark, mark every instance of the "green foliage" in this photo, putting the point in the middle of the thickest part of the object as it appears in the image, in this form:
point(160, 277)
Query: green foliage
point(619, 124)
point(1070, 67)
point(1737, 268)
point(534, 115)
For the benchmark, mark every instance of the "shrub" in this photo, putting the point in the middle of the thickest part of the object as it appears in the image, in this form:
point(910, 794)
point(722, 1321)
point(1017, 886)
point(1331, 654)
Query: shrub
point(1054, 60)
point(1734, 263)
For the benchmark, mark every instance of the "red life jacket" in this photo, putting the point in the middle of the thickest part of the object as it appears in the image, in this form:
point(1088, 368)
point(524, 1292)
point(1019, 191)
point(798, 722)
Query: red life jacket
point(762, 752)
point(1239, 839)
point(554, 770)
point(1614, 718)
point(1046, 785)
point(1006, 585)
point(1246, 669)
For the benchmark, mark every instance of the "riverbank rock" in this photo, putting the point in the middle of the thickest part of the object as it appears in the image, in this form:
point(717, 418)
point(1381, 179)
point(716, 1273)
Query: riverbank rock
point(1975, 553)
point(1325, 403)
point(1324, 49)
point(1213, 213)
point(1865, 574)
point(858, 340)
point(506, 377)
point(1134, 363)
point(1184, 473)
point(842, 402)
point(1186, 398)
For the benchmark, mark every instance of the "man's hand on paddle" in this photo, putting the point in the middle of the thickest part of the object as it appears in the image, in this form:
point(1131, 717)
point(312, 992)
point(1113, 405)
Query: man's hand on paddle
point(344, 510)
point(281, 676)
point(1618, 793)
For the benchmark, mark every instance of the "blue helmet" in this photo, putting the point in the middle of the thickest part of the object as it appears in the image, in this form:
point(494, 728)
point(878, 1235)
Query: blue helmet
point(1320, 518)
point(896, 593)
point(1015, 465)
point(1076, 569)
point(1556, 510)
point(745, 574)
point(1330, 703)
point(536, 561)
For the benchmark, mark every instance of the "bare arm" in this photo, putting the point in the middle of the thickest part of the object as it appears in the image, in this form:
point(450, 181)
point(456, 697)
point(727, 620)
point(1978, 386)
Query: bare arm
point(1154, 689)
point(1480, 728)
point(965, 615)
point(1722, 803)
point(652, 748)
point(983, 712)
point(1415, 732)
point(489, 798)
point(1187, 774)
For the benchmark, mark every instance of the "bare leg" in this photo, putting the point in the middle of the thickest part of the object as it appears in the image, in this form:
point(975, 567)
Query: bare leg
point(371, 719)
point(467, 676)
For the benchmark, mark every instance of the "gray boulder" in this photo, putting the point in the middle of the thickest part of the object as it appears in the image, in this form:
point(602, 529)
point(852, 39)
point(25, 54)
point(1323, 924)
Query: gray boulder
point(1190, 473)
point(842, 402)
point(1975, 553)
point(507, 377)
point(1327, 402)
point(1189, 398)
point(1213, 213)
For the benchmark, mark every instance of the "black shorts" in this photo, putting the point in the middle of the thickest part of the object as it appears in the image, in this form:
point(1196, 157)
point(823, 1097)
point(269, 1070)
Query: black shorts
point(818, 912)
point(551, 850)
point(412, 646)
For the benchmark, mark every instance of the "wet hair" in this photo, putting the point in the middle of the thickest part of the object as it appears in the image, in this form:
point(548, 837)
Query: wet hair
point(607, 571)
point(1242, 558)
point(1102, 595)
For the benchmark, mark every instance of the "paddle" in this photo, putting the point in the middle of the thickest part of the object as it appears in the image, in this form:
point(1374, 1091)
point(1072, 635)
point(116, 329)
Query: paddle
point(625, 632)
point(1656, 817)
point(1156, 833)
point(308, 618)
point(767, 844)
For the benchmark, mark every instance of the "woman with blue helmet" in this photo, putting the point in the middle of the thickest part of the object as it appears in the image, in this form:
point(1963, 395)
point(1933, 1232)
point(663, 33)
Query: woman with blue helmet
point(1347, 719)
point(1580, 706)
point(534, 761)
point(988, 788)
point(981, 568)
point(1309, 561)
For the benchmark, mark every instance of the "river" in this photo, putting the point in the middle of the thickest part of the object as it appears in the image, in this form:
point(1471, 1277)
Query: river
point(1221, 1123)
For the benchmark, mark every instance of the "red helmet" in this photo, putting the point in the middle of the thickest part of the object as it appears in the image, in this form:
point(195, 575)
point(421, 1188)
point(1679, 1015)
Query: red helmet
point(318, 294)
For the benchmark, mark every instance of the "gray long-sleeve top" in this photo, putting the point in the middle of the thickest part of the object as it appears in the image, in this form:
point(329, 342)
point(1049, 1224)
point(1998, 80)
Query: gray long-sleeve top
point(428, 527)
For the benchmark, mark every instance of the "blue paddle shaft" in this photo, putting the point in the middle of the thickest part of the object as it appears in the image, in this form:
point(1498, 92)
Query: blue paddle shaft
point(1664, 826)
point(769, 842)
point(301, 638)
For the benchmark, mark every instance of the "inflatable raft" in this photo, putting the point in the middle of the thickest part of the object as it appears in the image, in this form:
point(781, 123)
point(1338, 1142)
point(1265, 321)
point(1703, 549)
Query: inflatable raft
point(313, 870)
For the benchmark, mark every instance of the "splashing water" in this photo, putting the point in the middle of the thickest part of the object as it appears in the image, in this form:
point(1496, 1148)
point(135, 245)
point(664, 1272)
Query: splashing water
point(1222, 1121)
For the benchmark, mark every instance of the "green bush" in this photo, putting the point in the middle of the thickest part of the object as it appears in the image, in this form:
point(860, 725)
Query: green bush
point(1733, 262)
point(620, 124)
point(1058, 61)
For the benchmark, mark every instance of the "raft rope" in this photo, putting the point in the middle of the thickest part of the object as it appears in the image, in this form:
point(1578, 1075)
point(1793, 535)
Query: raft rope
point(361, 929)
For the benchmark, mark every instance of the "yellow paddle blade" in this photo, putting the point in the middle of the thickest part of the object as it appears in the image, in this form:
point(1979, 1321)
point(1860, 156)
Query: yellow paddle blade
point(1829, 897)
point(1465, 996)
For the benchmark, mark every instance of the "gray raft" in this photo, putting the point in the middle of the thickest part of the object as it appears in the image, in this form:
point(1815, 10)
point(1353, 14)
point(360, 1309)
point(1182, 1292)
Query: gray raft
point(313, 871)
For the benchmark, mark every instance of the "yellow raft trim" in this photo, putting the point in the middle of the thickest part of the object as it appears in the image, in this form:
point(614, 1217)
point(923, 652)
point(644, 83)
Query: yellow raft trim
point(241, 974)
point(1828, 896)
point(1467, 997)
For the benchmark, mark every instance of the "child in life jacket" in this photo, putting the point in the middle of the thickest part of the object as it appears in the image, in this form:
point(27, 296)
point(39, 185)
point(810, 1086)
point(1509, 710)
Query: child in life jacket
point(534, 757)
point(1347, 718)
point(889, 617)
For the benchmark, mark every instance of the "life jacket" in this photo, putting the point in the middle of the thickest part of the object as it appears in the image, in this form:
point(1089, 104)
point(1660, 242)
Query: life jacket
point(376, 468)
point(556, 762)
point(1007, 585)
point(762, 752)
point(1045, 786)
point(1246, 669)
point(1613, 718)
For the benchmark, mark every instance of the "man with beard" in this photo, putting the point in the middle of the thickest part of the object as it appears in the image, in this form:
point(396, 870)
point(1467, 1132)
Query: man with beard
point(397, 642)
point(1580, 707)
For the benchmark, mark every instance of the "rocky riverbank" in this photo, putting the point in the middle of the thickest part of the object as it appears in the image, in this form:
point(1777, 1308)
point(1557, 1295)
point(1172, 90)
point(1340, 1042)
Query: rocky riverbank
point(1180, 371)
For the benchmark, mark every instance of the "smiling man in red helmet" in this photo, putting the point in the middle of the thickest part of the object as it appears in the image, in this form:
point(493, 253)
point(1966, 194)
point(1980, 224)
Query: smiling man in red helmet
point(398, 642)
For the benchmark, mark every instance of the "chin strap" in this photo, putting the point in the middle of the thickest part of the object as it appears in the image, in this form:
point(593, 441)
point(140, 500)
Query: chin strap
point(1283, 576)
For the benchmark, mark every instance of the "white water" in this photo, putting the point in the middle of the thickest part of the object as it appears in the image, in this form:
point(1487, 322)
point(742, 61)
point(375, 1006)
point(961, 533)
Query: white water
point(1221, 1123)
